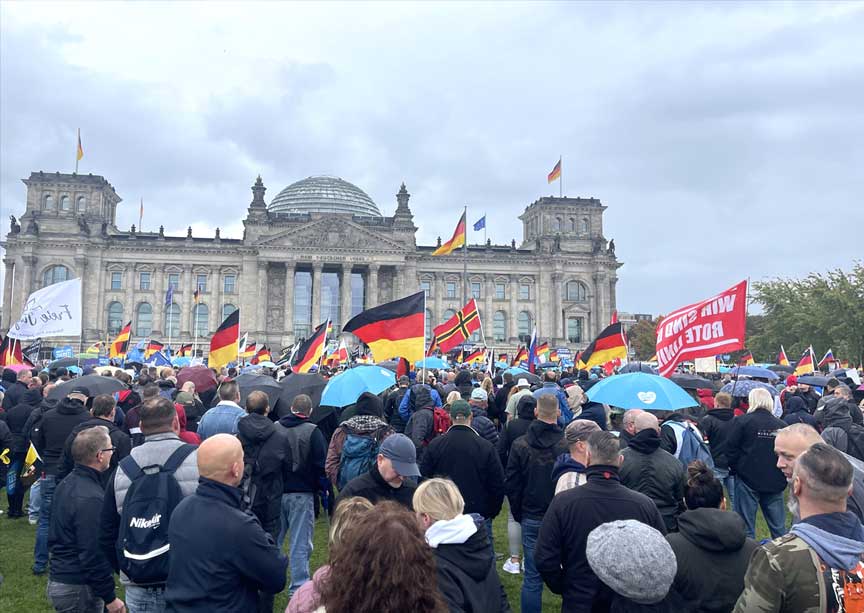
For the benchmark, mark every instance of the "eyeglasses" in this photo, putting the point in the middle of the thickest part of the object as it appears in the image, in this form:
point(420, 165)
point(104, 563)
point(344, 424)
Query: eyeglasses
point(112, 449)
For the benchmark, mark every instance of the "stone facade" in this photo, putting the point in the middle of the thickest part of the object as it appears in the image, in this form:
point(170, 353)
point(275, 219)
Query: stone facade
point(289, 266)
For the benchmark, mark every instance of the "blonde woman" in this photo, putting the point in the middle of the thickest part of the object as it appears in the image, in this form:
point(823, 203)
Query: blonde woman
point(758, 482)
point(463, 551)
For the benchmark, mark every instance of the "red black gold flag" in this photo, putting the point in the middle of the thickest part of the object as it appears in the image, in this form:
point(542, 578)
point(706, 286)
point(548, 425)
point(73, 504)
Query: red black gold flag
point(394, 329)
point(456, 241)
point(520, 356)
point(478, 355)
point(458, 328)
point(610, 344)
point(184, 350)
point(225, 342)
point(556, 173)
point(152, 347)
point(262, 355)
point(433, 347)
point(806, 364)
point(10, 352)
point(250, 351)
point(120, 345)
point(311, 350)
point(746, 359)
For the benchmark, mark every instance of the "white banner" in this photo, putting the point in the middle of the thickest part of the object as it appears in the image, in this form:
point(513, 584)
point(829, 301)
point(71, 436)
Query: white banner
point(51, 311)
point(705, 364)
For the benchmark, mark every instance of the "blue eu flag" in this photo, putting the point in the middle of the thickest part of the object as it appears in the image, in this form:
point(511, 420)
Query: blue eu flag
point(480, 223)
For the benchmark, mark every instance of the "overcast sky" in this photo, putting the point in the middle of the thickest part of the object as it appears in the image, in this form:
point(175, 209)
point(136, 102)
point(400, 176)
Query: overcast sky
point(726, 139)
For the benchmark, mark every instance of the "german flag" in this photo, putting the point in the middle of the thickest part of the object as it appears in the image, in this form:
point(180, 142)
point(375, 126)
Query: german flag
point(555, 174)
point(478, 355)
point(394, 329)
point(610, 344)
point(844, 363)
point(184, 350)
point(747, 359)
point(458, 328)
point(262, 355)
point(225, 342)
point(10, 352)
point(458, 239)
point(520, 356)
point(152, 347)
point(782, 360)
point(553, 355)
point(120, 345)
point(806, 364)
point(543, 351)
point(249, 351)
point(311, 350)
point(433, 347)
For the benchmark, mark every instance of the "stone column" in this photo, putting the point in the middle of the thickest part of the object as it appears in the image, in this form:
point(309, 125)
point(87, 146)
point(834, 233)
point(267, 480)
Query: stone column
point(557, 316)
point(7, 294)
point(488, 309)
point(513, 317)
point(216, 298)
point(372, 287)
point(398, 275)
point(158, 283)
point(101, 324)
point(261, 323)
point(316, 294)
point(81, 269)
point(438, 308)
point(600, 311)
point(345, 293)
point(288, 330)
point(410, 284)
point(129, 296)
point(187, 317)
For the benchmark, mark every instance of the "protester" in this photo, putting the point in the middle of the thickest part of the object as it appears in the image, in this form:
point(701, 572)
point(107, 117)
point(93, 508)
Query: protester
point(521, 389)
point(81, 579)
point(145, 587)
point(797, 411)
point(561, 545)
point(103, 410)
point(470, 461)
point(131, 423)
point(550, 386)
point(357, 441)
point(409, 403)
point(709, 537)
point(308, 453)
point(192, 404)
point(628, 426)
point(569, 469)
point(758, 482)
point(383, 565)
point(596, 412)
point(420, 428)
point(387, 479)
point(652, 471)
point(16, 419)
point(205, 574)
point(838, 429)
point(185, 435)
point(503, 395)
point(467, 577)
point(481, 422)
point(224, 416)
point(49, 437)
point(529, 486)
point(817, 566)
point(18, 386)
point(391, 405)
point(716, 427)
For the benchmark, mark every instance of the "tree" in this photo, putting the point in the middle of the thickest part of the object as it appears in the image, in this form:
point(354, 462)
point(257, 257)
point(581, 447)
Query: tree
point(643, 338)
point(826, 311)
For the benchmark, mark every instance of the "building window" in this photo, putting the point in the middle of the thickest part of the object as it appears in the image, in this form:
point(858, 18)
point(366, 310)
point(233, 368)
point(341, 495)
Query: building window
point(500, 291)
point(331, 300)
point(358, 294)
point(556, 225)
point(174, 280)
point(585, 226)
point(229, 283)
point(172, 320)
point(65, 203)
point(428, 326)
point(302, 304)
point(115, 318)
point(116, 280)
point(54, 274)
point(199, 319)
point(48, 202)
point(572, 226)
point(451, 289)
point(475, 290)
point(426, 286)
point(575, 291)
point(524, 291)
point(475, 337)
point(448, 314)
point(201, 283)
point(499, 326)
point(574, 330)
point(524, 323)
point(144, 320)
point(144, 280)
point(227, 309)
point(82, 204)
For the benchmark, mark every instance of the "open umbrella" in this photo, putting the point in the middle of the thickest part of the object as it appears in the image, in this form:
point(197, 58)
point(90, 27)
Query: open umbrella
point(742, 387)
point(201, 376)
point(520, 373)
point(97, 384)
point(431, 362)
point(780, 368)
point(638, 367)
point(345, 388)
point(63, 363)
point(249, 383)
point(640, 391)
point(692, 382)
point(295, 384)
point(181, 361)
point(816, 380)
point(756, 372)
point(389, 365)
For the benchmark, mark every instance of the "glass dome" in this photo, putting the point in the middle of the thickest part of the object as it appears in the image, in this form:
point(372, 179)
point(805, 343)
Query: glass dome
point(323, 195)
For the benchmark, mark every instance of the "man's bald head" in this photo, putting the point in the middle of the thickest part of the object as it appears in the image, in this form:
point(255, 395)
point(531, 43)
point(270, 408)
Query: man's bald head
point(646, 421)
point(220, 458)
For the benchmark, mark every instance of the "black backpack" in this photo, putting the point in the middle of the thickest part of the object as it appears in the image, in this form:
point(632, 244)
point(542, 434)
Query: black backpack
point(142, 544)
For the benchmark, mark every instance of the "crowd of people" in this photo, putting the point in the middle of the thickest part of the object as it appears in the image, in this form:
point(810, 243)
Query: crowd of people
point(188, 496)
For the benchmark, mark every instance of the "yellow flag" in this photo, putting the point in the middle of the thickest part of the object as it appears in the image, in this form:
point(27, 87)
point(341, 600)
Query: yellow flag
point(30, 458)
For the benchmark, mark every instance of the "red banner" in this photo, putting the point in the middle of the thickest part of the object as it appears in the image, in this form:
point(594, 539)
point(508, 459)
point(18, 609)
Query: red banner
point(702, 330)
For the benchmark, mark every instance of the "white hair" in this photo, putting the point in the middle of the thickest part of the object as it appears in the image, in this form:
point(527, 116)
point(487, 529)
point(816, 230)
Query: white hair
point(760, 398)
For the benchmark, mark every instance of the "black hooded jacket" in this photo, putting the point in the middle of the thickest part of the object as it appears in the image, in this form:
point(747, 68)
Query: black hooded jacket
point(751, 452)
point(715, 427)
point(716, 540)
point(50, 434)
point(797, 412)
point(16, 419)
point(119, 440)
point(14, 394)
point(372, 487)
point(267, 454)
point(528, 477)
point(516, 427)
point(655, 473)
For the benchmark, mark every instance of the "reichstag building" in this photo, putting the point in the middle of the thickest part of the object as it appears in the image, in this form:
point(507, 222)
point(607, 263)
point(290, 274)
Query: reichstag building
point(321, 248)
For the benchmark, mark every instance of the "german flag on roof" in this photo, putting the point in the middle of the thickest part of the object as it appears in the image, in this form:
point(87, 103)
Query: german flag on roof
point(311, 350)
point(456, 241)
point(225, 342)
point(120, 345)
point(394, 329)
point(610, 344)
point(458, 328)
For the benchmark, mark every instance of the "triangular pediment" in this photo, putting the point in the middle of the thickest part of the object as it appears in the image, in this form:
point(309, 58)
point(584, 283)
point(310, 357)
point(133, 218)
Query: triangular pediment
point(331, 233)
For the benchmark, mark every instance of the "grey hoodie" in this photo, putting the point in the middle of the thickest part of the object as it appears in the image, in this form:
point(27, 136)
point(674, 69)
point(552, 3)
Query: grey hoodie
point(837, 538)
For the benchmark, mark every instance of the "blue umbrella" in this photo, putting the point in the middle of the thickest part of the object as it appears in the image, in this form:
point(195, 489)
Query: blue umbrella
point(431, 362)
point(755, 371)
point(181, 361)
point(520, 373)
point(742, 387)
point(345, 388)
point(638, 367)
point(640, 390)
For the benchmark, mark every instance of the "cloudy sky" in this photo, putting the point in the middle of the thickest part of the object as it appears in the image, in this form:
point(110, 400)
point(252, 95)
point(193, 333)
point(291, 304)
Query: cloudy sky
point(726, 139)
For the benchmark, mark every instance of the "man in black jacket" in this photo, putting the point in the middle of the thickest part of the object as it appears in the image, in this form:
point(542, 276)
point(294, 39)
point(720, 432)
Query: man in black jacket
point(17, 418)
point(18, 387)
point(103, 415)
point(529, 486)
point(573, 514)
point(648, 469)
point(716, 427)
point(386, 480)
point(49, 436)
point(221, 556)
point(471, 462)
point(81, 577)
point(391, 406)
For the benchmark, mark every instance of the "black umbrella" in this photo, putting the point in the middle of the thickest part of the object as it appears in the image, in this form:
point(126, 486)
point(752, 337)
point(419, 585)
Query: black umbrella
point(63, 363)
point(692, 382)
point(788, 370)
point(389, 365)
point(249, 383)
point(96, 384)
point(294, 384)
point(637, 367)
point(817, 380)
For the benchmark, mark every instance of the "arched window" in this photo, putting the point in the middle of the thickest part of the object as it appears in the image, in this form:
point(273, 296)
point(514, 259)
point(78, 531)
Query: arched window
point(585, 225)
point(556, 225)
point(115, 318)
point(199, 319)
point(448, 314)
point(172, 320)
point(576, 291)
point(428, 325)
point(54, 274)
point(499, 326)
point(48, 202)
point(65, 203)
point(82, 204)
point(144, 319)
point(572, 227)
point(227, 309)
point(524, 323)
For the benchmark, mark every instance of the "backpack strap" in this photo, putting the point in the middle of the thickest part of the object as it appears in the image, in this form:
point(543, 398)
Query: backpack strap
point(131, 468)
point(177, 457)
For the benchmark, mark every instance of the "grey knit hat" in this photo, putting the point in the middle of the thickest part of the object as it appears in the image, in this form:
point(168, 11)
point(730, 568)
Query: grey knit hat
point(633, 559)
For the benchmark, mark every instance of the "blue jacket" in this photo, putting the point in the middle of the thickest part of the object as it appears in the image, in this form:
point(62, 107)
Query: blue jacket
point(220, 419)
point(225, 573)
point(550, 387)
point(405, 411)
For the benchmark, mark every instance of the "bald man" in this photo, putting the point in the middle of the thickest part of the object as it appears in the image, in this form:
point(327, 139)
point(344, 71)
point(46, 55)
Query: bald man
point(628, 426)
point(224, 573)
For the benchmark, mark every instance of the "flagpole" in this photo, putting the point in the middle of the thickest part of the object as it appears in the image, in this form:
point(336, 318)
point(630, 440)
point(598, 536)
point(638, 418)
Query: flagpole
point(141, 216)
point(425, 351)
point(76, 151)
point(561, 177)
point(484, 228)
point(465, 259)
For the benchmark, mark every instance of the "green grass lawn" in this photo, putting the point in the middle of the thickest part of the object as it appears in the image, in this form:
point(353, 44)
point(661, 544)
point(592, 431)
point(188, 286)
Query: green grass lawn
point(21, 591)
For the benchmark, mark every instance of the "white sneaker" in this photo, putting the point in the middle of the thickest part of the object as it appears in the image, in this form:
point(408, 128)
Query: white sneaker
point(511, 567)
point(33, 521)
